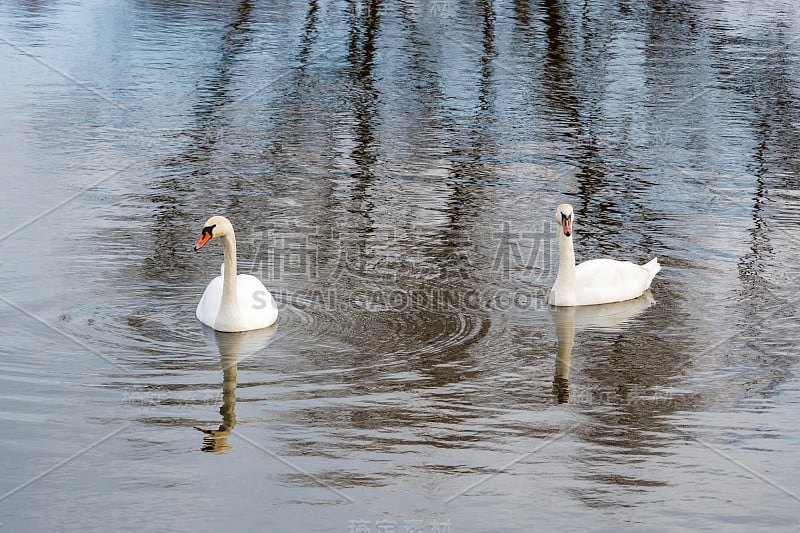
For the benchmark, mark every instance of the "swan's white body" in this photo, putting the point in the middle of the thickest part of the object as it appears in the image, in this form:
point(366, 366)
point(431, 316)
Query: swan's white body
point(257, 308)
point(230, 302)
point(599, 281)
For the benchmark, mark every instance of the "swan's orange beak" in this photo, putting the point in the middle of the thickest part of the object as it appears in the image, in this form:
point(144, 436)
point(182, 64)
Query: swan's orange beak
point(205, 237)
point(566, 224)
point(203, 240)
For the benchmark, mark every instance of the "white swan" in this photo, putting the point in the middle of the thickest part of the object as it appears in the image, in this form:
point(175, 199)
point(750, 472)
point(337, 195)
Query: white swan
point(598, 281)
point(231, 302)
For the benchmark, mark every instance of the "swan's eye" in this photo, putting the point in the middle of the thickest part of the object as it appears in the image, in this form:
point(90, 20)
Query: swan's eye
point(208, 230)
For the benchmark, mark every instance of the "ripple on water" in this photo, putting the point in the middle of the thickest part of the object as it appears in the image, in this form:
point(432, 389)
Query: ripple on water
point(133, 334)
point(385, 332)
point(167, 334)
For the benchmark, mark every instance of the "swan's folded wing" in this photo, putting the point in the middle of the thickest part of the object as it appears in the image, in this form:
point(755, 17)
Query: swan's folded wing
point(257, 306)
point(606, 280)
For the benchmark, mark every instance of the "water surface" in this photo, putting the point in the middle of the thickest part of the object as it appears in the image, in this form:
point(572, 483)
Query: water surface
point(392, 169)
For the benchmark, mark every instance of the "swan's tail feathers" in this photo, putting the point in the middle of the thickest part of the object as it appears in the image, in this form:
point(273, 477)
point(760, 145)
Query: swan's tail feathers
point(653, 267)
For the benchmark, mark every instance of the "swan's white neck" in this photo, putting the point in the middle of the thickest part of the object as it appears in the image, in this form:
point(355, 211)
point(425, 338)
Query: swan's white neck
point(229, 306)
point(564, 287)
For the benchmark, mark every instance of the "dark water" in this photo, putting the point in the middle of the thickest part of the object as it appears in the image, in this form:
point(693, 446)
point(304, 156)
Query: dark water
point(392, 170)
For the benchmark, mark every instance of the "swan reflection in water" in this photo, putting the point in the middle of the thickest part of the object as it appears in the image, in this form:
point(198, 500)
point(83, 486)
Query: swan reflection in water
point(231, 346)
point(606, 317)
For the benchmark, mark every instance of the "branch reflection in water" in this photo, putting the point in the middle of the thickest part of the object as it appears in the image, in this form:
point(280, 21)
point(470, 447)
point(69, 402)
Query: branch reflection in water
point(611, 318)
point(231, 346)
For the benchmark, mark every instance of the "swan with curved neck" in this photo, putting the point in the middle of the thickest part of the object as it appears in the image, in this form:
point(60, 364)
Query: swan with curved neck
point(233, 302)
point(598, 281)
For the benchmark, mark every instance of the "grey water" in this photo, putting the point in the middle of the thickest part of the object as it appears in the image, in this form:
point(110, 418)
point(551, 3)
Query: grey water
point(392, 171)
